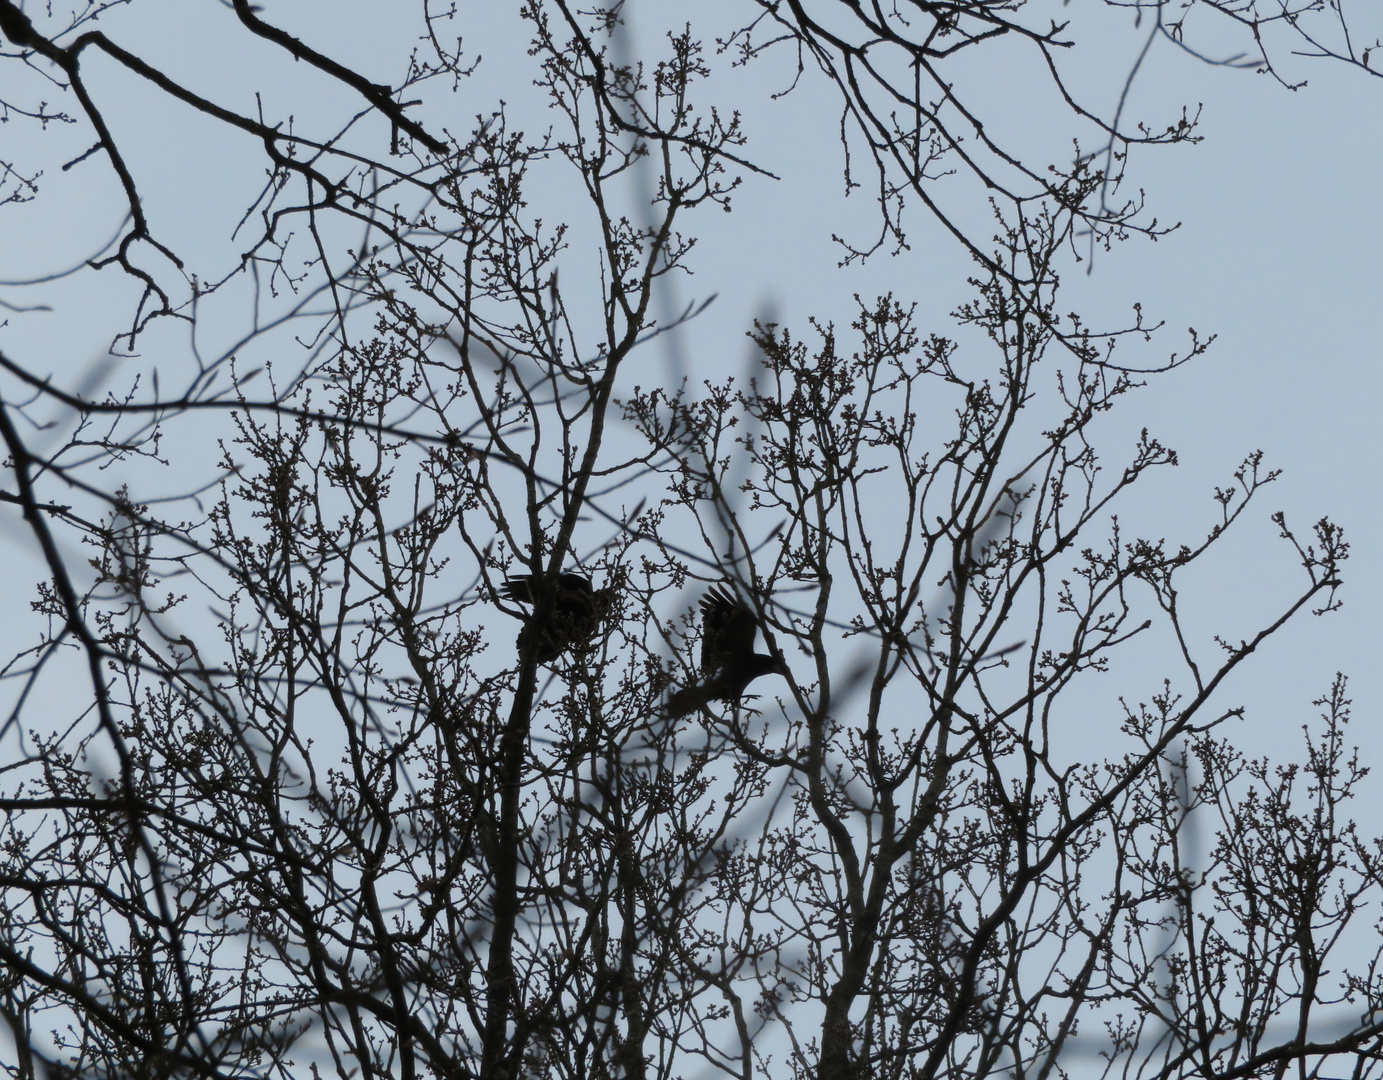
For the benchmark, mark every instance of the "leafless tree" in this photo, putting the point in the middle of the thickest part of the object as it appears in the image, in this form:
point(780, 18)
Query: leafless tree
point(342, 740)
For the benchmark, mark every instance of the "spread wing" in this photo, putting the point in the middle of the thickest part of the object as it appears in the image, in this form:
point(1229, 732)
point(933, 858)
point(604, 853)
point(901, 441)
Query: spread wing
point(573, 590)
point(518, 588)
point(727, 628)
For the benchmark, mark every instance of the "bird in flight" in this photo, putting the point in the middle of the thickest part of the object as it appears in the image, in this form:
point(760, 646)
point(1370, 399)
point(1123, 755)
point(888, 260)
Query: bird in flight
point(575, 614)
point(728, 660)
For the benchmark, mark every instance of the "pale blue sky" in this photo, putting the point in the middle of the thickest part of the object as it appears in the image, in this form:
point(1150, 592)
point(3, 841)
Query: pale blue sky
point(1278, 255)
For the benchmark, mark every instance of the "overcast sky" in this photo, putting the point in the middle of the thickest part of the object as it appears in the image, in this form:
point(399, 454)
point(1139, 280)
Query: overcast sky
point(1277, 254)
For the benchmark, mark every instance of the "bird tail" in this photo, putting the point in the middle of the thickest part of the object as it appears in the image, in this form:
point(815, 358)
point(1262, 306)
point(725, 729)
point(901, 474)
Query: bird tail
point(688, 699)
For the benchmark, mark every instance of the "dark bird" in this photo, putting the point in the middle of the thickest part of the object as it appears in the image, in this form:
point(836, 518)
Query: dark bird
point(728, 660)
point(574, 612)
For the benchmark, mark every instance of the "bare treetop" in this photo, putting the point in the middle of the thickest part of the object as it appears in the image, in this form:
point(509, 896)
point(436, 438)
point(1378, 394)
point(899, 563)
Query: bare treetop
point(285, 794)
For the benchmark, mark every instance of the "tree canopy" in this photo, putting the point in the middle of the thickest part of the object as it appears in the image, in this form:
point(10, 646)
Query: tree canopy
point(283, 793)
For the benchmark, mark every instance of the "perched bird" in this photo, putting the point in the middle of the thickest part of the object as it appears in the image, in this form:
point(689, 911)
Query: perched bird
point(575, 615)
point(728, 660)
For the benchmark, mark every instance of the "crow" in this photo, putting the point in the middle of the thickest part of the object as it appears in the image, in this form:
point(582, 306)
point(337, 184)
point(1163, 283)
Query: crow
point(575, 615)
point(728, 660)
